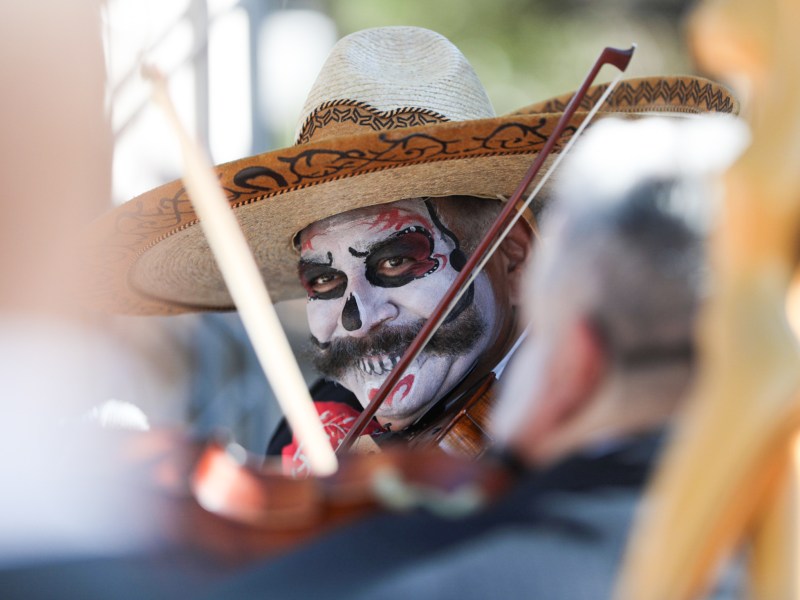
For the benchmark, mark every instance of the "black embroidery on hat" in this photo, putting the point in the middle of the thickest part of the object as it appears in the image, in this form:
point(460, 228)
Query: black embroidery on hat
point(514, 136)
point(673, 95)
point(144, 222)
point(364, 115)
point(252, 178)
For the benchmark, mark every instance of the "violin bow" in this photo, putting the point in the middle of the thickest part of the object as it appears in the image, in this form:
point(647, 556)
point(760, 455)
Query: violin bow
point(248, 290)
point(497, 232)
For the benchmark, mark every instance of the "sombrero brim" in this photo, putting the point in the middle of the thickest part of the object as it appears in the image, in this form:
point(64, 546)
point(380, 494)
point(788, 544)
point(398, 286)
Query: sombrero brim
point(149, 256)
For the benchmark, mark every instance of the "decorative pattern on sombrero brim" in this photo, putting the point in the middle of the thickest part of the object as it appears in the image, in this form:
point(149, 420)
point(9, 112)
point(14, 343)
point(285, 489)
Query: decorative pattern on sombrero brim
point(340, 117)
point(149, 257)
point(671, 94)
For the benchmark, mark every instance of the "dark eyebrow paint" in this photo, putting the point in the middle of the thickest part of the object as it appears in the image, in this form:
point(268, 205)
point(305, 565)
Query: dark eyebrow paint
point(457, 257)
point(358, 254)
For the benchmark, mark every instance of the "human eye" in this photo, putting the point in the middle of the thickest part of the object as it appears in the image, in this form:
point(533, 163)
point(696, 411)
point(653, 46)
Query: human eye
point(401, 259)
point(326, 282)
point(395, 265)
point(322, 282)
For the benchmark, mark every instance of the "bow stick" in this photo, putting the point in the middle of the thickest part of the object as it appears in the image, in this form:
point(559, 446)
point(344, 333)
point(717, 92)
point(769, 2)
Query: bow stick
point(496, 234)
point(248, 290)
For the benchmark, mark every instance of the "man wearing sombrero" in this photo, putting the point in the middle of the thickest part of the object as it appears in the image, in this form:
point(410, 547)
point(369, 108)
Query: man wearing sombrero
point(399, 165)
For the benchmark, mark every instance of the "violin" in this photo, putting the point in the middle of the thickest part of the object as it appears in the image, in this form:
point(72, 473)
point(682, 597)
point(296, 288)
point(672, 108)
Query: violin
point(218, 503)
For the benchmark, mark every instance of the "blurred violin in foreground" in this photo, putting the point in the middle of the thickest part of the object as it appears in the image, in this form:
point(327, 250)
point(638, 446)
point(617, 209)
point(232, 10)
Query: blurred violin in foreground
point(216, 501)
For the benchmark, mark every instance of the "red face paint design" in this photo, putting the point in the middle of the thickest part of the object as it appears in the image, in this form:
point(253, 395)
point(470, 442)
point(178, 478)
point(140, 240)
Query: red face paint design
point(308, 244)
point(395, 219)
point(404, 384)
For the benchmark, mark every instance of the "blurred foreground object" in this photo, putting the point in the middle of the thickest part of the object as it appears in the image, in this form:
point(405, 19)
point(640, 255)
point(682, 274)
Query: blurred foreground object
point(248, 290)
point(730, 473)
point(64, 495)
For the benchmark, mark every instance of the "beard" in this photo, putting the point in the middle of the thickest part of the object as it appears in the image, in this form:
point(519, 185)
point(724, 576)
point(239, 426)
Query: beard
point(454, 338)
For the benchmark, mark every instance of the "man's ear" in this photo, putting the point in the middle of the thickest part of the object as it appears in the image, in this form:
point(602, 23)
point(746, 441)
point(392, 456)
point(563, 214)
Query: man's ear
point(575, 371)
point(588, 361)
point(516, 249)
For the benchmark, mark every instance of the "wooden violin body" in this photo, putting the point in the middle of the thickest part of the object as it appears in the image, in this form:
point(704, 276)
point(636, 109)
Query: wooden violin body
point(214, 501)
point(462, 426)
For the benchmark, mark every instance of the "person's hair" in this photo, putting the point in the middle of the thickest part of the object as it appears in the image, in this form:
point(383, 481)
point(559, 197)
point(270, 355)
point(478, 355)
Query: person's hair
point(468, 217)
point(633, 268)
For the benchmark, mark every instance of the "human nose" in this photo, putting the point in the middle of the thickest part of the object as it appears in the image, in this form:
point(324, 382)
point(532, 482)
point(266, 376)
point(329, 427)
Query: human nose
point(365, 309)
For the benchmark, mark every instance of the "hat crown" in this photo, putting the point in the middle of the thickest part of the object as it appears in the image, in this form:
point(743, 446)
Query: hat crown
point(394, 72)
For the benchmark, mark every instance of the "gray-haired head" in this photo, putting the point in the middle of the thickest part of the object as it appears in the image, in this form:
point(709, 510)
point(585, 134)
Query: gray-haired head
point(614, 287)
point(632, 268)
point(622, 239)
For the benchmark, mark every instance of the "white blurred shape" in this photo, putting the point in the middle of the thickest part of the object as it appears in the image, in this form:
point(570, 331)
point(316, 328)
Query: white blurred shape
point(157, 31)
point(293, 46)
point(229, 86)
point(615, 155)
point(66, 493)
point(118, 414)
point(218, 7)
point(519, 391)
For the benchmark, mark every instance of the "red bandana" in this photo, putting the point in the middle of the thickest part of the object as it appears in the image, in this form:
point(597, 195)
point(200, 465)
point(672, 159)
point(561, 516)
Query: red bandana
point(337, 419)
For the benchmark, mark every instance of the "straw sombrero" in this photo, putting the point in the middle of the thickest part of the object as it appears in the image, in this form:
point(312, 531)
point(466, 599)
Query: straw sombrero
point(396, 112)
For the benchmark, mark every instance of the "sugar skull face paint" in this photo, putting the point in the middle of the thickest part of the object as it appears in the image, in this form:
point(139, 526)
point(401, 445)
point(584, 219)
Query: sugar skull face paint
point(372, 277)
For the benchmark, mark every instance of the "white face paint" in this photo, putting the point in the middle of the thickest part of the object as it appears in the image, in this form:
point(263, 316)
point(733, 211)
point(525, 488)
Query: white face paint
point(384, 269)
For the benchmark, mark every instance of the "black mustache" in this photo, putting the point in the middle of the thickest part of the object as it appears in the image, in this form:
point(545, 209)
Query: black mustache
point(333, 359)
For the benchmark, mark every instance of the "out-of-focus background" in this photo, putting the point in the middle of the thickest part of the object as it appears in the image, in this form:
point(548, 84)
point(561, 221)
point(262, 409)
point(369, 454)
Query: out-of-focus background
point(239, 71)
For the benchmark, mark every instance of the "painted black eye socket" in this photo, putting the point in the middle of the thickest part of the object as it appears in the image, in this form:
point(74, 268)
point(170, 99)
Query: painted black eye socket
point(404, 257)
point(327, 282)
point(322, 282)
